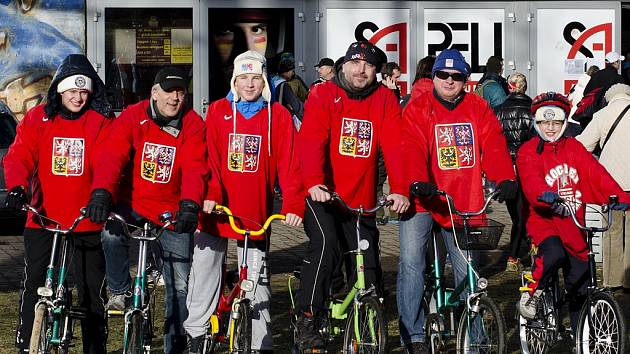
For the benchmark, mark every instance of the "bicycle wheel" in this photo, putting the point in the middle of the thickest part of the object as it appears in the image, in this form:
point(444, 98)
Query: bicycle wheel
point(39, 336)
point(371, 325)
point(604, 331)
point(243, 329)
point(482, 331)
point(134, 335)
point(539, 334)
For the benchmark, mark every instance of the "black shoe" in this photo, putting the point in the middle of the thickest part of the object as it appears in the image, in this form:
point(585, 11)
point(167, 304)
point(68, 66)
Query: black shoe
point(417, 348)
point(308, 334)
point(195, 345)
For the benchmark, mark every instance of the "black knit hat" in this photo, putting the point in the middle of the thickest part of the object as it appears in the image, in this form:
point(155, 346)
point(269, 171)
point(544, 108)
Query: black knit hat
point(286, 65)
point(367, 51)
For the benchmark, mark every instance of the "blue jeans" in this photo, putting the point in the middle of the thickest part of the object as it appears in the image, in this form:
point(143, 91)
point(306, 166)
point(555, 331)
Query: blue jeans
point(177, 256)
point(415, 233)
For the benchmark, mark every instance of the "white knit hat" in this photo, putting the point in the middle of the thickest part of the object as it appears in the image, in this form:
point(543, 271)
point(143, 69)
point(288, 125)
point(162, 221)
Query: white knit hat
point(79, 81)
point(250, 62)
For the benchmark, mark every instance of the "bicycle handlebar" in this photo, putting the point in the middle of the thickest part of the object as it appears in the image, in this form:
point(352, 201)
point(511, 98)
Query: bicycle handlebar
point(223, 210)
point(606, 209)
point(40, 220)
point(468, 214)
point(382, 202)
point(166, 218)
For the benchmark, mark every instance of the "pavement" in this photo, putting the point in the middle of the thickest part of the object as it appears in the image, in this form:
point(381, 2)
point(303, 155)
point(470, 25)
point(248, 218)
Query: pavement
point(287, 248)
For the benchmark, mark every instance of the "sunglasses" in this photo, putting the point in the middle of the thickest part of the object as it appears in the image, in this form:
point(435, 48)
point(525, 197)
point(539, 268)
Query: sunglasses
point(443, 75)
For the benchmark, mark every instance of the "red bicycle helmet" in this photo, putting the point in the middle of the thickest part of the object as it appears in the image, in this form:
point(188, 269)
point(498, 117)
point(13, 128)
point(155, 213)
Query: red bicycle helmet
point(550, 106)
point(551, 99)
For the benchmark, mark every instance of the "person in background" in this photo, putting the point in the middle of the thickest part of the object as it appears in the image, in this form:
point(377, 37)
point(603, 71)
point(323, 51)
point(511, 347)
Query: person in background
point(492, 86)
point(325, 71)
point(517, 121)
point(286, 72)
point(614, 157)
point(423, 82)
point(154, 161)
point(577, 91)
point(51, 165)
point(390, 74)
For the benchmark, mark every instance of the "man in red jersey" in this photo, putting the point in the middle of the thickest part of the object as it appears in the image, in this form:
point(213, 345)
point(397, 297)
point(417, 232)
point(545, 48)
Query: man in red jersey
point(53, 160)
point(250, 146)
point(347, 120)
point(158, 145)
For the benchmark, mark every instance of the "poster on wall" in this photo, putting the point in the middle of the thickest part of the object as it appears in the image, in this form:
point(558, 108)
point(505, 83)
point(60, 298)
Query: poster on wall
point(386, 28)
point(568, 42)
point(35, 37)
point(477, 33)
point(231, 31)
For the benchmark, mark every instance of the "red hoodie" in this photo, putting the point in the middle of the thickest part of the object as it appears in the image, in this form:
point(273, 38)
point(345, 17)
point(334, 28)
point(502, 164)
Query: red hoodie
point(457, 146)
point(420, 87)
point(567, 168)
point(243, 169)
point(59, 153)
point(164, 169)
point(340, 138)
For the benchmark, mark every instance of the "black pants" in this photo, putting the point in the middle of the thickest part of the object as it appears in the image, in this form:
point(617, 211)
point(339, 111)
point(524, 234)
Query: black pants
point(327, 227)
point(551, 257)
point(88, 265)
point(515, 209)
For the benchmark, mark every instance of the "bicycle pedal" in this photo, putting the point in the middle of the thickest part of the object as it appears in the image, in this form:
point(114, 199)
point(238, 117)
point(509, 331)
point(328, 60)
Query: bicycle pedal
point(115, 313)
point(78, 312)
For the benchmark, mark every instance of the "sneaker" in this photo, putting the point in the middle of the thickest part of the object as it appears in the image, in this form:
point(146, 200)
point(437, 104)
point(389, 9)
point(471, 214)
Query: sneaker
point(528, 303)
point(117, 302)
point(308, 336)
point(417, 348)
point(195, 345)
point(513, 265)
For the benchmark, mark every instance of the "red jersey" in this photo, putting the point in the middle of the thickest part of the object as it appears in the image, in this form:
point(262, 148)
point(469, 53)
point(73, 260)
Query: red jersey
point(457, 147)
point(339, 141)
point(59, 155)
point(567, 168)
point(243, 170)
point(164, 168)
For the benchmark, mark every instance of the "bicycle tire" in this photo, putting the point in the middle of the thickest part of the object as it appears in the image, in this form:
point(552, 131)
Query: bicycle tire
point(134, 335)
point(369, 307)
point(537, 336)
point(243, 329)
point(39, 335)
point(607, 320)
point(492, 322)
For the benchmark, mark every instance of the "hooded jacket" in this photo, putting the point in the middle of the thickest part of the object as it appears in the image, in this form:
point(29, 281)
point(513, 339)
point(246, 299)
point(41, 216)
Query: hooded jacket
point(564, 167)
point(457, 146)
point(53, 157)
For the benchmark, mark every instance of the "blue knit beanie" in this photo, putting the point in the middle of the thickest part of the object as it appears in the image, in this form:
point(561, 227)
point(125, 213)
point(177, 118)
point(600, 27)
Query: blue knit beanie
point(450, 59)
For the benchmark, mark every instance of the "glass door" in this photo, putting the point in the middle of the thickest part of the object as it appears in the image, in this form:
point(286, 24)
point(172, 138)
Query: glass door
point(134, 40)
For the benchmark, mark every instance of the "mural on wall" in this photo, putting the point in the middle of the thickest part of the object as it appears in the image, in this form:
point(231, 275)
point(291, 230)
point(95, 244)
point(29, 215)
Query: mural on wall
point(35, 36)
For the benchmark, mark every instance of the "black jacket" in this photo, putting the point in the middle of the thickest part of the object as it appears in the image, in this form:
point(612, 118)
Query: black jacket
point(75, 64)
point(603, 78)
point(516, 119)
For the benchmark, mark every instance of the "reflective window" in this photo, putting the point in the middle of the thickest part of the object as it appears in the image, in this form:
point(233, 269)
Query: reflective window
point(138, 43)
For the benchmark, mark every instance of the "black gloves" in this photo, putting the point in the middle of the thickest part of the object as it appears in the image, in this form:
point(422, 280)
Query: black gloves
point(549, 197)
point(99, 206)
point(507, 190)
point(187, 217)
point(423, 189)
point(620, 206)
point(16, 198)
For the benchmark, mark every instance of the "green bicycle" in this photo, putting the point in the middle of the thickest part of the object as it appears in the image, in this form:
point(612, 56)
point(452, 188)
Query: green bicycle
point(360, 315)
point(138, 318)
point(481, 328)
point(53, 325)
